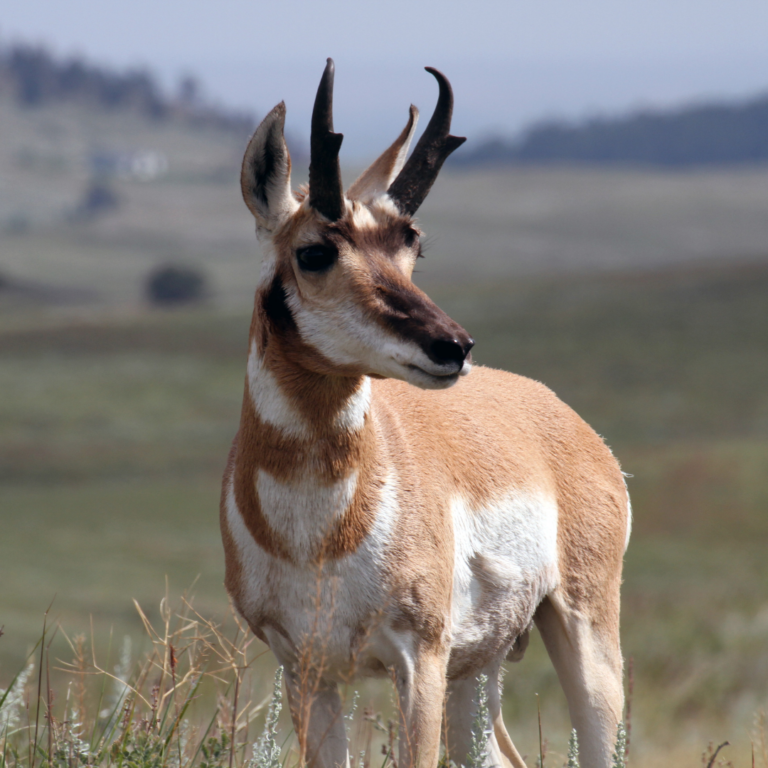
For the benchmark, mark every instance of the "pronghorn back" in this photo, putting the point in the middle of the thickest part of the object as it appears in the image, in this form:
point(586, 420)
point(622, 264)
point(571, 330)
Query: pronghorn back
point(388, 508)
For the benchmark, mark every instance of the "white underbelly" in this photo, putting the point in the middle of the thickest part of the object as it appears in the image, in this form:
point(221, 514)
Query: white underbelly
point(505, 564)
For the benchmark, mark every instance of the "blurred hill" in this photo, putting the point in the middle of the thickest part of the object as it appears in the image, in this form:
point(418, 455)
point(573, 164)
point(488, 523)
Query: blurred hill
point(704, 135)
point(33, 77)
point(100, 174)
point(104, 179)
point(637, 294)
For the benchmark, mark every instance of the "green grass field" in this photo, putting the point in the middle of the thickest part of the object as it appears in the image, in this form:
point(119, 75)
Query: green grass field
point(113, 435)
point(641, 298)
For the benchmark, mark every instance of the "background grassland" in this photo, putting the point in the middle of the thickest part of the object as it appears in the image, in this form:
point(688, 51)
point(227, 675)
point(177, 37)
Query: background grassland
point(114, 435)
point(640, 298)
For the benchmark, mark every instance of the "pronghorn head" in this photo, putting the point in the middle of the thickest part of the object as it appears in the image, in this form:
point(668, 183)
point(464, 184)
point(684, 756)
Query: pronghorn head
point(336, 290)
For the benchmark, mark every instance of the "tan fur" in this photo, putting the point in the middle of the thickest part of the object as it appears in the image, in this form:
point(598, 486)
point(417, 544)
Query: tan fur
point(261, 446)
point(416, 461)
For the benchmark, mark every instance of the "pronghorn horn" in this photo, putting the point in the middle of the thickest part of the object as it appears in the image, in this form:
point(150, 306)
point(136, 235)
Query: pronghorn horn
point(413, 183)
point(325, 192)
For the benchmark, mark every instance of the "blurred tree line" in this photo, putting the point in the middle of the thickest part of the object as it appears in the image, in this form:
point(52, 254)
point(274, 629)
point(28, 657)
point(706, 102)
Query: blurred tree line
point(33, 77)
point(715, 134)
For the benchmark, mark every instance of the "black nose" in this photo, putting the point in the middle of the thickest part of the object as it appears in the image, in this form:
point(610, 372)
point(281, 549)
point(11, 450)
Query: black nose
point(445, 351)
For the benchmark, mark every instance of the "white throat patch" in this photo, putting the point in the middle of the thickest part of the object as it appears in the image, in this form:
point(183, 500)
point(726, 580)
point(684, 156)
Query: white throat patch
point(271, 404)
point(352, 417)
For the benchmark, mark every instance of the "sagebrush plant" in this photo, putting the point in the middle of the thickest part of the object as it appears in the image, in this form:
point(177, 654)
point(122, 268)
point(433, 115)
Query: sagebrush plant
point(187, 703)
point(573, 750)
point(137, 715)
point(619, 759)
point(267, 751)
point(481, 727)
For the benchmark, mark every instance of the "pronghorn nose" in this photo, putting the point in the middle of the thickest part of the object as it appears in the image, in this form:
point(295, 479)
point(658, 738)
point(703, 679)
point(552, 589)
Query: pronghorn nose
point(450, 350)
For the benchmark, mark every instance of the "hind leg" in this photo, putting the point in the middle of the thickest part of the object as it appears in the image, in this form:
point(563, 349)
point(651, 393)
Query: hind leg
point(460, 713)
point(587, 658)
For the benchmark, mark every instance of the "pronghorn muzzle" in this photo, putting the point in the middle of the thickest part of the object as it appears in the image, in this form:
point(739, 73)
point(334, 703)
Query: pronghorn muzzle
point(455, 349)
point(412, 316)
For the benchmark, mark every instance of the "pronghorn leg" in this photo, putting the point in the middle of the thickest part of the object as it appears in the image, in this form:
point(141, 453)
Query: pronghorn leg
point(586, 655)
point(460, 713)
point(422, 692)
point(316, 712)
point(500, 735)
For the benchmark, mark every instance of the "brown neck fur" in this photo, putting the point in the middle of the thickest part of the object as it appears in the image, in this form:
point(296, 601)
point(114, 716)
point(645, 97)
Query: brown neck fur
point(329, 455)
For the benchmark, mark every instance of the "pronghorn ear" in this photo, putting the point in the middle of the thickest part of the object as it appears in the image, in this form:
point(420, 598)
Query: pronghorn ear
point(265, 178)
point(376, 180)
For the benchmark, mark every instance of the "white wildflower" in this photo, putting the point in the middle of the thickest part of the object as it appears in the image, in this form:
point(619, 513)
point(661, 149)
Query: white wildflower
point(350, 718)
point(73, 734)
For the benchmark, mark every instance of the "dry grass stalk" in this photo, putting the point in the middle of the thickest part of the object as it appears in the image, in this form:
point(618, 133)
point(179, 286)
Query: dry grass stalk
point(140, 715)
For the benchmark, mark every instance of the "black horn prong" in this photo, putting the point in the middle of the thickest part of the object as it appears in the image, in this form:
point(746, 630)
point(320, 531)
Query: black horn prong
point(325, 190)
point(413, 183)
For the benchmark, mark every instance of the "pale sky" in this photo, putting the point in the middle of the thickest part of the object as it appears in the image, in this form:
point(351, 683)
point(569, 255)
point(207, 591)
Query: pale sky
point(510, 62)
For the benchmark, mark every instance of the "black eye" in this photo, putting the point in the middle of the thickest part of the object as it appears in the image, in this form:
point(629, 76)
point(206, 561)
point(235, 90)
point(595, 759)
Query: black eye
point(410, 237)
point(313, 258)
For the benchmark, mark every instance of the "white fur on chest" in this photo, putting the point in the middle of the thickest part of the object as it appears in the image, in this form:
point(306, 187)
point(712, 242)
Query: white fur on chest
point(338, 604)
point(303, 512)
point(505, 564)
point(274, 408)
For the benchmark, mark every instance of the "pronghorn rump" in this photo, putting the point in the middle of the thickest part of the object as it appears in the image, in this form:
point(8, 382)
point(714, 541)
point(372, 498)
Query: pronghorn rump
point(388, 509)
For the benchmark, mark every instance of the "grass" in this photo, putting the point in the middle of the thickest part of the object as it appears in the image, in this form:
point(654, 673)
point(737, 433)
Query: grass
point(94, 546)
point(644, 357)
point(114, 430)
point(198, 694)
point(694, 618)
point(187, 700)
point(140, 397)
point(193, 697)
point(639, 297)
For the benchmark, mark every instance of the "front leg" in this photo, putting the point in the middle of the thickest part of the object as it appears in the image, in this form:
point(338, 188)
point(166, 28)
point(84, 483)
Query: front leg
point(421, 688)
point(316, 713)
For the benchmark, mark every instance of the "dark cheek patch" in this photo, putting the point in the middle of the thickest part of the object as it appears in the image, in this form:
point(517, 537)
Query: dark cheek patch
point(276, 309)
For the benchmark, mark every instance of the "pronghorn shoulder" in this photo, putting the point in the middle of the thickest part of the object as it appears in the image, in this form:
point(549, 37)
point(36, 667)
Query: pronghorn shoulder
point(505, 417)
point(472, 394)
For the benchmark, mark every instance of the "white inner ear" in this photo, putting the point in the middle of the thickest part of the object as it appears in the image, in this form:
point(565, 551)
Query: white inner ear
point(375, 180)
point(280, 199)
point(403, 151)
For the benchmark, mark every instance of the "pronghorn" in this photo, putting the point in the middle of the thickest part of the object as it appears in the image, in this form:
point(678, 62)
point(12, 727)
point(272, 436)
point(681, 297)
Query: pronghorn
point(381, 513)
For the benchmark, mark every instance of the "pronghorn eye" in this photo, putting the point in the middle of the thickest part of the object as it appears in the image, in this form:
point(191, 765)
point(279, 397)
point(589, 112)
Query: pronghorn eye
point(410, 237)
point(313, 258)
